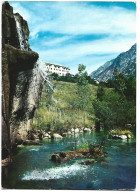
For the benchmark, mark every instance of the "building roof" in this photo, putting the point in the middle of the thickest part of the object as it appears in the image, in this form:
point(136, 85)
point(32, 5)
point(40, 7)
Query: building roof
point(57, 65)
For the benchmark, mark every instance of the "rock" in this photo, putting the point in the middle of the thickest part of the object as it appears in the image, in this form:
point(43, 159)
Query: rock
point(20, 95)
point(31, 135)
point(95, 151)
point(60, 157)
point(87, 162)
point(56, 136)
point(76, 130)
point(46, 135)
point(120, 136)
point(81, 131)
point(87, 130)
point(72, 130)
point(19, 60)
point(65, 134)
point(9, 32)
point(124, 62)
point(123, 136)
point(62, 154)
point(56, 158)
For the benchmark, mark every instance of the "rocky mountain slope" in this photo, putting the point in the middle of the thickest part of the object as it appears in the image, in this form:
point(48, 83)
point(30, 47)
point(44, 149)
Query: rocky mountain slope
point(125, 63)
point(21, 81)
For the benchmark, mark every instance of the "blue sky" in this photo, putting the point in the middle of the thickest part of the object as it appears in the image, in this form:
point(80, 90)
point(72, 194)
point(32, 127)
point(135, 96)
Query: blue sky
point(72, 33)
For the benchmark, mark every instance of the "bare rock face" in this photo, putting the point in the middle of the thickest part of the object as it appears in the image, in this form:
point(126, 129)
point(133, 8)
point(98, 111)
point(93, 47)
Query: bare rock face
point(21, 81)
point(9, 32)
point(125, 63)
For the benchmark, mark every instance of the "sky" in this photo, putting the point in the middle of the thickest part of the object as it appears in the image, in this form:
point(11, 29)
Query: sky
point(71, 33)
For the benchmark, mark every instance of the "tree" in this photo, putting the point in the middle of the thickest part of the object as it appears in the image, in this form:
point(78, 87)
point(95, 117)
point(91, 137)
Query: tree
point(130, 90)
point(100, 93)
point(110, 83)
point(96, 104)
point(83, 88)
point(103, 114)
point(119, 82)
point(116, 107)
point(54, 76)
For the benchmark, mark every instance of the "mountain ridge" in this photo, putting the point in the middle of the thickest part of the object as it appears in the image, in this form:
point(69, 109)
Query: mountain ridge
point(125, 62)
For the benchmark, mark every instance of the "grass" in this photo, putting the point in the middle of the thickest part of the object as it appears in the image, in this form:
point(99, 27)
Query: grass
point(58, 112)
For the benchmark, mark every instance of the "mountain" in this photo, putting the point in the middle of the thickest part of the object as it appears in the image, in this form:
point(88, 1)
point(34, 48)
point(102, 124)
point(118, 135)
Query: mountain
point(125, 63)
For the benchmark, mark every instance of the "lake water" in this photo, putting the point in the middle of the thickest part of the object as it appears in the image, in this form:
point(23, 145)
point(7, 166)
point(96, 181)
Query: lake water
point(32, 168)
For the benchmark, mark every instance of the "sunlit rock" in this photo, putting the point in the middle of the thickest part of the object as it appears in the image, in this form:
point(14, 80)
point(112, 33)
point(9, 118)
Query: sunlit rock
point(56, 136)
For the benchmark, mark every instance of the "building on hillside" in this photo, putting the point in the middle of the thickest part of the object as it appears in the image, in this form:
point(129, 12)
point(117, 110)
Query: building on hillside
point(58, 69)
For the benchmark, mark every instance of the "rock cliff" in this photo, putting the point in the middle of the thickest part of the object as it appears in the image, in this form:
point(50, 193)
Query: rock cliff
point(21, 80)
point(125, 63)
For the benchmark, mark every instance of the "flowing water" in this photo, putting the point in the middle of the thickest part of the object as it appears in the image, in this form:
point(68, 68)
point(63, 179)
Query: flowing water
point(21, 36)
point(32, 168)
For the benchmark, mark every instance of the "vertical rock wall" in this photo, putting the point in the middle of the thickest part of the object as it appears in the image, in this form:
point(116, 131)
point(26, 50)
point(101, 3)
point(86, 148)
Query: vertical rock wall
point(21, 81)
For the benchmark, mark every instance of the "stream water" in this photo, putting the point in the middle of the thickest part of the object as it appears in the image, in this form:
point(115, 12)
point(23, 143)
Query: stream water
point(32, 168)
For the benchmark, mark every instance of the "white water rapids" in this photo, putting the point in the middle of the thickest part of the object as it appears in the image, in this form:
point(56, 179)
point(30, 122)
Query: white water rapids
point(54, 173)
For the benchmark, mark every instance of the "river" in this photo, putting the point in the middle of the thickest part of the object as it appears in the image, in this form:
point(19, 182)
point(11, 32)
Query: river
point(32, 168)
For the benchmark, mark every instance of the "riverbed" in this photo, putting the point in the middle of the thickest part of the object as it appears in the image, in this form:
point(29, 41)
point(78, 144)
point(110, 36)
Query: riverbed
point(32, 168)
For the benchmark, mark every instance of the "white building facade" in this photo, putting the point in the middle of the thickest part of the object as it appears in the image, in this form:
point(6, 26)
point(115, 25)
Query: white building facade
point(58, 69)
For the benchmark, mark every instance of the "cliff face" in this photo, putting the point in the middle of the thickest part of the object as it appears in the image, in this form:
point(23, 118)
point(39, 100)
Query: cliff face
point(125, 63)
point(21, 81)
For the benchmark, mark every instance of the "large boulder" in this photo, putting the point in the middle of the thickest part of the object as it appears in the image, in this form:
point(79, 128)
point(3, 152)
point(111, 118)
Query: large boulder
point(56, 136)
